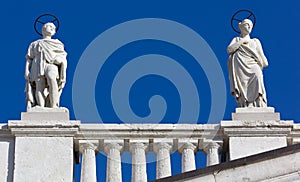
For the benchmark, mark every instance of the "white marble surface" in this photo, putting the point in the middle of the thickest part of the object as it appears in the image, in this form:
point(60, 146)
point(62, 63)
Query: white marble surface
point(88, 166)
point(43, 113)
point(245, 64)
point(240, 147)
point(139, 170)
point(6, 159)
point(44, 159)
point(45, 70)
point(281, 169)
point(187, 151)
point(163, 161)
point(255, 109)
point(256, 113)
point(113, 166)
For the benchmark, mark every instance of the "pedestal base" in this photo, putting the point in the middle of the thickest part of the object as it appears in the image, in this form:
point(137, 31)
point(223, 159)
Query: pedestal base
point(255, 130)
point(43, 113)
point(43, 159)
point(240, 147)
point(256, 113)
point(43, 149)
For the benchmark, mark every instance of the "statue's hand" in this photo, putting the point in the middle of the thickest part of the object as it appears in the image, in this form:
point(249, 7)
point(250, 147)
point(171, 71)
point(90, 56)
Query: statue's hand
point(26, 76)
point(61, 84)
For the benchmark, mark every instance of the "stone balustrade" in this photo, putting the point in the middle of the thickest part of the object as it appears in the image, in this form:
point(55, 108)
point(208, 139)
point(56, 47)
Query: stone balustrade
point(138, 139)
point(214, 140)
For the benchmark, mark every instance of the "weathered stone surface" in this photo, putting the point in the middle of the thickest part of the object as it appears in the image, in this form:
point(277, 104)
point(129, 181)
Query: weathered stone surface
point(247, 138)
point(48, 128)
point(88, 166)
point(44, 113)
point(256, 113)
point(45, 159)
point(6, 159)
point(265, 170)
point(280, 165)
point(245, 65)
point(245, 146)
point(255, 109)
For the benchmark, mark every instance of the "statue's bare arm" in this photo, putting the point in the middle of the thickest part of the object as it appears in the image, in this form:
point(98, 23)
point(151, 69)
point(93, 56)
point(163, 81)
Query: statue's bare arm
point(27, 68)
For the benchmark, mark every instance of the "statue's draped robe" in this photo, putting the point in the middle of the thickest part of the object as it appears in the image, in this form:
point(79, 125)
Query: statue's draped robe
point(41, 53)
point(245, 74)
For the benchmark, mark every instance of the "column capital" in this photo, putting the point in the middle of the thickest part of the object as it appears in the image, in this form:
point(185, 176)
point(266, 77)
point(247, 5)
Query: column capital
point(211, 145)
point(187, 145)
point(134, 146)
point(88, 144)
point(162, 145)
point(113, 146)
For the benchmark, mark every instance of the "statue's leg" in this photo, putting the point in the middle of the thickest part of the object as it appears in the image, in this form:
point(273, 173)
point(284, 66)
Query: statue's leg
point(51, 73)
point(39, 92)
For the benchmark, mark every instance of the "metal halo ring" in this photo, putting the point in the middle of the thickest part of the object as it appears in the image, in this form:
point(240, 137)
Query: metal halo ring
point(54, 19)
point(233, 18)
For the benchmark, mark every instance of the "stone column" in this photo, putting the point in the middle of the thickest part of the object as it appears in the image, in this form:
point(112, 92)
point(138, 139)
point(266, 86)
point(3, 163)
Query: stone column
point(113, 168)
point(88, 166)
point(138, 152)
point(212, 150)
point(188, 157)
point(163, 162)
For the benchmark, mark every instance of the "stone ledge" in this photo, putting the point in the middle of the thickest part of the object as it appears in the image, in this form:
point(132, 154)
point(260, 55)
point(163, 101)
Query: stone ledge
point(44, 113)
point(255, 110)
point(256, 116)
point(256, 128)
point(255, 113)
point(256, 123)
point(43, 128)
point(43, 123)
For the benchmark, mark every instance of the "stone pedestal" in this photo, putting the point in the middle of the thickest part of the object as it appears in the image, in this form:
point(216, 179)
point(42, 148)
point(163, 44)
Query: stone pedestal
point(255, 130)
point(43, 147)
point(256, 113)
point(43, 113)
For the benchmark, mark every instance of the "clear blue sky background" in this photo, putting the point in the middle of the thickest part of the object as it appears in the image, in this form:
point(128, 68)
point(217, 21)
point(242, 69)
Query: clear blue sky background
point(277, 27)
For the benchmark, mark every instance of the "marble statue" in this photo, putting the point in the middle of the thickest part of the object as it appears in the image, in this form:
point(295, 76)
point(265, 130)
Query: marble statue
point(45, 70)
point(245, 65)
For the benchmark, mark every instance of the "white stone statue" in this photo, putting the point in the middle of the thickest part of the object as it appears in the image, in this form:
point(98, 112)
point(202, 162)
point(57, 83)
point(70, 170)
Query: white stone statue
point(245, 65)
point(45, 70)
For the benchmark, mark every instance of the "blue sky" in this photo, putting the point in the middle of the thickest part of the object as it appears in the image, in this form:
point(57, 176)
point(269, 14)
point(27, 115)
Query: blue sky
point(277, 27)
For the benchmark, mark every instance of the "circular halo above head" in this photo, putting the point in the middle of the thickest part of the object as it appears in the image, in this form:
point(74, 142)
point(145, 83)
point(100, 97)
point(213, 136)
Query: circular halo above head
point(240, 16)
point(44, 19)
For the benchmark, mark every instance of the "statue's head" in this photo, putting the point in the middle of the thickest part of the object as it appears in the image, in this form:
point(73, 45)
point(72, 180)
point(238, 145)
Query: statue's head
point(49, 29)
point(246, 26)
